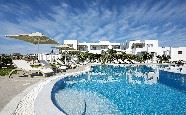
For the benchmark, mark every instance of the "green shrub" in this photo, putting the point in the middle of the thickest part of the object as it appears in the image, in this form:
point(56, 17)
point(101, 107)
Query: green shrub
point(6, 71)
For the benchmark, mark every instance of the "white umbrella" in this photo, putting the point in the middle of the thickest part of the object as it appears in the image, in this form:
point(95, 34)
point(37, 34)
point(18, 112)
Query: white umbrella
point(34, 38)
point(65, 48)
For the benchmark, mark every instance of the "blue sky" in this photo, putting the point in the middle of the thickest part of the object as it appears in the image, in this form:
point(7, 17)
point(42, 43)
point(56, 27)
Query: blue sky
point(92, 20)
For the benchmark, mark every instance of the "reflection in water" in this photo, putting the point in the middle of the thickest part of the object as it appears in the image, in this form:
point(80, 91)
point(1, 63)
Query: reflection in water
point(127, 90)
point(139, 78)
point(135, 74)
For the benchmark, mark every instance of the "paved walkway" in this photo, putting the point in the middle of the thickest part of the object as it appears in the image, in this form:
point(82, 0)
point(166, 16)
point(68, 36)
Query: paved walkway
point(10, 87)
point(23, 103)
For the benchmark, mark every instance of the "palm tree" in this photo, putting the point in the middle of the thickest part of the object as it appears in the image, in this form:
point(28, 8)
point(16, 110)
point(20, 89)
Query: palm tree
point(159, 59)
point(147, 56)
point(82, 56)
point(129, 57)
point(6, 61)
point(165, 58)
point(104, 57)
point(108, 56)
point(97, 57)
point(123, 56)
point(91, 57)
point(1, 62)
point(111, 54)
point(139, 58)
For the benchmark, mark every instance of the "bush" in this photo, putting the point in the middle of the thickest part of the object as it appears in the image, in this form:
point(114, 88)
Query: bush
point(5, 61)
point(6, 71)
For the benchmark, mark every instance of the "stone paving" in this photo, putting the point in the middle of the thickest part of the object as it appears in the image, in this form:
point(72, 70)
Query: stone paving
point(11, 87)
point(26, 105)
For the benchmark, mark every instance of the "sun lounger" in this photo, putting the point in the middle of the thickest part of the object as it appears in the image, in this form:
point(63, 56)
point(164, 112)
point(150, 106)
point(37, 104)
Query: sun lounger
point(62, 66)
point(121, 61)
point(26, 68)
point(60, 62)
point(73, 65)
point(44, 63)
point(116, 62)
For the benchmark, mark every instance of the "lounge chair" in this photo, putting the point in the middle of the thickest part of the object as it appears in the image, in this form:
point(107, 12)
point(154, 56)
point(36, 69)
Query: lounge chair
point(127, 61)
point(84, 63)
point(121, 61)
point(62, 65)
point(116, 62)
point(73, 65)
point(27, 69)
point(44, 63)
point(60, 62)
point(63, 68)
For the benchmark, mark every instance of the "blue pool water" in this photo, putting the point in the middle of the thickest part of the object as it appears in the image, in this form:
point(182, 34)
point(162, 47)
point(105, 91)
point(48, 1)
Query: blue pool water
point(121, 90)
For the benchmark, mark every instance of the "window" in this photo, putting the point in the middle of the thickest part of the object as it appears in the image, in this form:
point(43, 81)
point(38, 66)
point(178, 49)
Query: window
point(139, 46)
point(179, 52)
point(164, 52)
point(71, 45)
point(93, 48)
point(104, 47)
point(116, 47)
point(149, 45)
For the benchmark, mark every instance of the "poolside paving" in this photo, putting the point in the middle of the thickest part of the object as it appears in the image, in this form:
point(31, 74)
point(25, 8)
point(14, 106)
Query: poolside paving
point(23, 101)
point(10, 87)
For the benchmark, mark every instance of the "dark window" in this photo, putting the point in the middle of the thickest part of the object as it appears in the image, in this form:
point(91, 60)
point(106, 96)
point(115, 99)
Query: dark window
point(179, 52)
point(116, 47)
point(93, 48)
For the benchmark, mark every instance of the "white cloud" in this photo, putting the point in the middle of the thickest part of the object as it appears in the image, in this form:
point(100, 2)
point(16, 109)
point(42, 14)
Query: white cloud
point(133, 22)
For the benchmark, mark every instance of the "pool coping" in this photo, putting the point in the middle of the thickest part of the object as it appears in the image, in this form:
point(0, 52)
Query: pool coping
point(10, 108)
point(43, 104)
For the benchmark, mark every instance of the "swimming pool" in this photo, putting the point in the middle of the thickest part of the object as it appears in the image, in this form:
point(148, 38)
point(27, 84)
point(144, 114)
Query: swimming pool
point(122, 89)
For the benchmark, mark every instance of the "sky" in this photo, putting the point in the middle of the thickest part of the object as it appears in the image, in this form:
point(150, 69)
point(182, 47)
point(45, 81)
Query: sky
point(91, 21)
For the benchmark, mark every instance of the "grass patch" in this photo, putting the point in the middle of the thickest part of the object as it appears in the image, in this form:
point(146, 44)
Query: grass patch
point(6, 71)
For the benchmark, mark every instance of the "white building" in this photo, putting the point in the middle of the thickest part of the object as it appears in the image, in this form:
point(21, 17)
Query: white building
point(93, 47)
point(49, 57)
point(131, 47)
point(138, 46)
point(178, 53)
